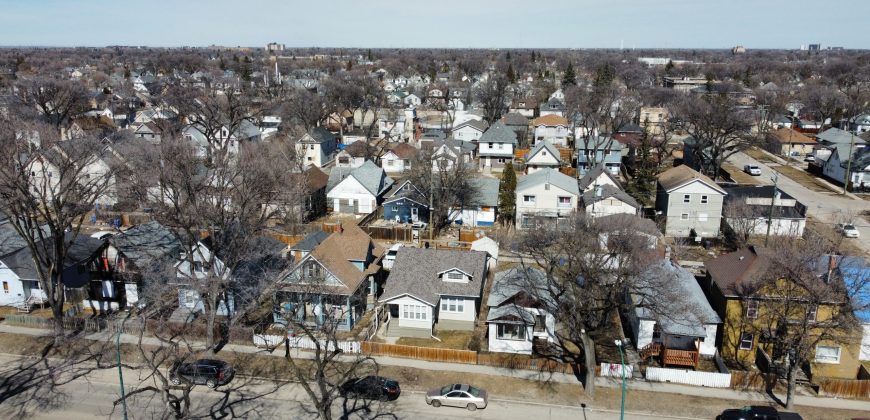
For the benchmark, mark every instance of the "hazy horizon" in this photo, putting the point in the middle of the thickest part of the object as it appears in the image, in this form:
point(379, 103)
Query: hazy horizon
point(557, 24)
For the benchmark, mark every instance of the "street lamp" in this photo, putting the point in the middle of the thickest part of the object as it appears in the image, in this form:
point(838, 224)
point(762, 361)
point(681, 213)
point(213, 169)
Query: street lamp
point(622, 368)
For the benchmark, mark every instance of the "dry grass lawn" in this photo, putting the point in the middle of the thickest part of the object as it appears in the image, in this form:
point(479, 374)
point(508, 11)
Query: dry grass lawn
point(802, 177)
point(457, 340)
point(738, 175)
point(759, 155)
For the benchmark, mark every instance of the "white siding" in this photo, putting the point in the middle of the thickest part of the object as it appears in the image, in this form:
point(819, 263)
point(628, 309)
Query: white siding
point(865, 344)
point(413, 323)
point(509, 346)
point(392, 164)
point(546, 201)
point(543, 157)
point(608, 207)
point(468, 313)
point(15, 293)
point(644, 333)
point(708, 346)
point(350, 188)
point(689, 377)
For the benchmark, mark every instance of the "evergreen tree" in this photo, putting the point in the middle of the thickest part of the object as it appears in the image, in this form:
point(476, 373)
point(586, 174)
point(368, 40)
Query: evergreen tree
point(569, 79)
point(507, 195)
point(370, 55)
point(349, 65)
point(508, 56)
point(512, 77)
point(534, 59)
point(604, 75)
point(669, 67)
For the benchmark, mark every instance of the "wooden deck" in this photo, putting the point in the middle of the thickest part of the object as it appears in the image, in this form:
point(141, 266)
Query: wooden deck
point(670, 357)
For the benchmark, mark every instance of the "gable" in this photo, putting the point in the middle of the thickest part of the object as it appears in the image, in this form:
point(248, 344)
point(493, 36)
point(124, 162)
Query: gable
point(543, 156)
point(695, 187)
point(349, 185)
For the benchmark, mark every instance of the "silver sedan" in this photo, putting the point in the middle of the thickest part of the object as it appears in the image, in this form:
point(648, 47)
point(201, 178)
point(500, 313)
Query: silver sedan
point(457, 395)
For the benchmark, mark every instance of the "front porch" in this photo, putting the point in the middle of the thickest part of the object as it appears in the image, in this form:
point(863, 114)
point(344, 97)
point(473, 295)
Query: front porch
point(313, 310)
point(672, 355)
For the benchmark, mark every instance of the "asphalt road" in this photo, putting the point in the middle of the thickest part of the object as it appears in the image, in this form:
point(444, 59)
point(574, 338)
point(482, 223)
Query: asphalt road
point(92, 396)
point(827, 207)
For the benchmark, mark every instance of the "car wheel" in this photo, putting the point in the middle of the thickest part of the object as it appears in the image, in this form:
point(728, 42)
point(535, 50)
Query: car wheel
point(175, 381)
point(436, 403)
point(210, 383)
point(471, 407)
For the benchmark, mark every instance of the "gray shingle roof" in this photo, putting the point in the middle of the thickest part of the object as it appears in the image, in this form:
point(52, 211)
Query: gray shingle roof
point(608, 191)
point(508, 283)
point(552, 176)
point(310, 241)
point(593, 174)
point(543, 144)
point(147, 244)
point(487, 189)
point(318, 135)
point(499, 133)
point(415, 273)
point(671, 296)
point(514, 118)
point(82, 249)
point(477, 124)
point(368, 174)
point(834, 135)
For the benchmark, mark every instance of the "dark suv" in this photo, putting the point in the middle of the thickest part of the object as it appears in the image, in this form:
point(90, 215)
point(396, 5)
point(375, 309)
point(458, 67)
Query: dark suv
point(210, 372)
point(756, 412)
point(371, 387)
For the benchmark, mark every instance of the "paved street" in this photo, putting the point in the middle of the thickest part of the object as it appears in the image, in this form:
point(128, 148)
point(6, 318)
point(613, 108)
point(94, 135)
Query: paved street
point(92, 397)
point(827, 207)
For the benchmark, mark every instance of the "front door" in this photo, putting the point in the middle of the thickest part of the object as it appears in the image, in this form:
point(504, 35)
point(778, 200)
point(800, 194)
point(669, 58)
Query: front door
point(415, 214)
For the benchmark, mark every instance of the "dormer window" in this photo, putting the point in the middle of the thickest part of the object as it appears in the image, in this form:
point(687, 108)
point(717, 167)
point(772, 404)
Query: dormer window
point(455, 276)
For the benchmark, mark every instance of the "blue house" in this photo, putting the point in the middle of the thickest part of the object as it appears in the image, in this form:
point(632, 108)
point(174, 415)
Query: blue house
point(407, 204)
point(598, 149)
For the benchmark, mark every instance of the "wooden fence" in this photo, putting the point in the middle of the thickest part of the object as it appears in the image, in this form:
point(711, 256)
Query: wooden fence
point(420, 353)
point(844, 388)
point(69, 323)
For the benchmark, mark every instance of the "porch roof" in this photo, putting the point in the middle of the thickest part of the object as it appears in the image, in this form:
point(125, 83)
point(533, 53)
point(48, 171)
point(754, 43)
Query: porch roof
point(510, 314)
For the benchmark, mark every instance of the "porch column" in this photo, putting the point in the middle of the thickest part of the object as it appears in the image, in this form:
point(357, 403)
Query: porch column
point(349, 313)
point(319, 305)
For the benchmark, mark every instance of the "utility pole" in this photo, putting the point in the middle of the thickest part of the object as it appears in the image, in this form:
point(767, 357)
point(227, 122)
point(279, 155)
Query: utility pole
point(848, 164)
point(770, 212)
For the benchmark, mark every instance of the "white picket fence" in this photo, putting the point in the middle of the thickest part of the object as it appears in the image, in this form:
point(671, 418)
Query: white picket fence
point(688, 377)
point(262, 340)
point(615, 370)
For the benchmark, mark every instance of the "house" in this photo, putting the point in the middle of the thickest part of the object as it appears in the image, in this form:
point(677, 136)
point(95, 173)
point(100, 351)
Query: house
point(671, 317)
point(605, 200)
point(483, 210)
point(315, 201)
point(316, 147)
point(558, 95)
point(470, 130)
point(20, 277)
point(336, 282)
point(836, 165)
point(554, 106)
point(138, 252)
point(148, 131)
point(739, 290)
point(791, 143)
point(434, 287)
point(860, 124)
point(398, 158)
point(552, 128)
point(301, 249)
point(518, 321)
point(684, 83)
point(448, 154)
point(518, 123)
point(748, 209)
point(546, 194)
point(354, 155)
point(412, 100)
point(524, 106)
point(496, 146)
point(595, 150)
point(543, 155)
point(854, 271)
point(690, 202)
point(357, 190)
point(598, 177)
point(406, 204)
point(653, 119)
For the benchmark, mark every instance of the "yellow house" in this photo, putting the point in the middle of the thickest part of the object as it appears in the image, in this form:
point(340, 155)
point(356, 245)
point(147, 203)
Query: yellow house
point(748, 317)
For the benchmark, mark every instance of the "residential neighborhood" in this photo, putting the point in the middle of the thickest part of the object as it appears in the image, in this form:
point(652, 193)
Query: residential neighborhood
point(330, 227)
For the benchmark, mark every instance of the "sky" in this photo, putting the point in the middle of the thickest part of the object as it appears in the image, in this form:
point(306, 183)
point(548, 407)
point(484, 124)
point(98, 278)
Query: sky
point(438, 23)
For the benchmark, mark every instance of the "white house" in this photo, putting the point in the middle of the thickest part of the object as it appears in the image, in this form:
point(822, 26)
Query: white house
point(545, 194)
point(483, 210)
point(552, 128)
point(837, 163)
point(519, 315)
point(316, 147)
point(605, 200)
point(543, 155)
point(496, 146)
point(357, 190)
point(671, 310)
point(597, 177)
point(353, 155)
point(398, 159)
point(558, 95)
point(748, 209)
point(470, 130)
point(412, 100)
point(448, 152)
point(429, 289)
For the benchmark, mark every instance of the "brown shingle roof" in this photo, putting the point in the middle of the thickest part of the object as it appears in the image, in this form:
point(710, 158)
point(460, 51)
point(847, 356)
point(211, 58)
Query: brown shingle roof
point(551, 119)
point(682, 175)
point(732, 272)
point(336, 252)
point(404, 151)
point(316, 178)
point(787, 135)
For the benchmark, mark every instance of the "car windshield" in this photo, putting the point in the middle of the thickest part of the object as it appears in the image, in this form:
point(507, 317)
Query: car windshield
point(446, 389)
point(474, 391)
point(849, 227)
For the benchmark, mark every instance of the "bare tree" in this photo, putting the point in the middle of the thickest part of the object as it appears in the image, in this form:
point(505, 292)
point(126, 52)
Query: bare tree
point(56, 101)
point(743, 221)
point(718, 128)
point(493, 97)
point(447, 179)
point(47, 188)
point(305, 109)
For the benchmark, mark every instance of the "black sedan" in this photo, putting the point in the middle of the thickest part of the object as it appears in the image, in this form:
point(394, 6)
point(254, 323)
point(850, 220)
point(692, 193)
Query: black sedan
point(372, 388)
point(208, 372)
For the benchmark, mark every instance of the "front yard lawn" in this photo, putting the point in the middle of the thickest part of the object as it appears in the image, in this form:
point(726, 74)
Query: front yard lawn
point(457, 340)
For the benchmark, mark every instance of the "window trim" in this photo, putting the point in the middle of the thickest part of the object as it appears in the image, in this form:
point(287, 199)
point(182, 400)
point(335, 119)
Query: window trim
point(744, 339)
point(520, 336)
point(684, 216)
point(687, 199)
point(830, 362)
point(529, 199)
point(750, 310)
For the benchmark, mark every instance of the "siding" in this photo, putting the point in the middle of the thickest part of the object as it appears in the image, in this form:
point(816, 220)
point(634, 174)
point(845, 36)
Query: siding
point(412, 323)
point(676, 226)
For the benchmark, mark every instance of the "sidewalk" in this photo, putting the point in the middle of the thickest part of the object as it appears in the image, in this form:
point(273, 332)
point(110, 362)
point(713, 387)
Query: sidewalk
point(743, 397)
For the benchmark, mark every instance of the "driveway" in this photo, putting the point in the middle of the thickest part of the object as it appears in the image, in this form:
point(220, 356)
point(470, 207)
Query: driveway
point(826, 207)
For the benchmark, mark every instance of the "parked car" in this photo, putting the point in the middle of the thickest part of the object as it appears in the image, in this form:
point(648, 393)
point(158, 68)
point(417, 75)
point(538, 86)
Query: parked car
point(809, 158)
point(756, 412)
point(848, 230)
point(752, 170)
point(208, 372)
point(390, 257)
point(371, 387)
point(457, 395)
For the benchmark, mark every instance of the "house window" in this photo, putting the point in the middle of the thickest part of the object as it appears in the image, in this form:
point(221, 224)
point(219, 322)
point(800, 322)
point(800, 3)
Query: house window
point(746, 340)
point(547, 187)
point(564, 202)
point(414, 312)
point(529, 199)
point(489, 145)
point(390, 162)
point(540, 323)
point(703, 199)
point(543, 153)
point(752, 309)
point(6, 287)
point(684, 216)
point(453, 275)
point(511, 332)
point(311, 147)
point(812, 312)
point(828, 354)
point(198, 267)
point(687, 198)
point(452, 305)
